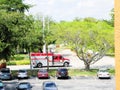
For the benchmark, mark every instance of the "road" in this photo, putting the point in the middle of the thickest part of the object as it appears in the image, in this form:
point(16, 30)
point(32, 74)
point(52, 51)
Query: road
point(75, 63)
point(75, 83)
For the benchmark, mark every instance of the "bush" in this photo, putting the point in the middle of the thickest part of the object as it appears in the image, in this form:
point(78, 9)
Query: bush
point(11, 63)
point(21, 62)
point(18, 57)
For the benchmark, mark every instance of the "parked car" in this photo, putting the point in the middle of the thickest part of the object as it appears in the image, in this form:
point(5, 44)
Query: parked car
point(42, 73)
point(62, 73)
point(49, 85)
point(22, 73)
point(24, 86)
point(103, 73)
point(2, 85)
point(5, 74)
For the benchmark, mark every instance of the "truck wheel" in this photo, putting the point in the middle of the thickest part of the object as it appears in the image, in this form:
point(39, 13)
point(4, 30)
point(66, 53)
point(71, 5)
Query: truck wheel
point(39, 65)
point(66, 64)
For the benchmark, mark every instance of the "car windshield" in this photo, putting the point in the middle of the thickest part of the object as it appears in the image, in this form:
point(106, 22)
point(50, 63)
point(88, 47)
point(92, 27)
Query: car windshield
point(103, 71)
point(50, 85)
point(24, 85)
point(5, 71)
point(22, 71)
point(63, 70)
point(43, 71)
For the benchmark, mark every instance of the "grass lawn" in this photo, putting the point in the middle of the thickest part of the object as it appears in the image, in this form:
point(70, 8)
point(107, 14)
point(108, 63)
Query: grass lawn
point(72, 72)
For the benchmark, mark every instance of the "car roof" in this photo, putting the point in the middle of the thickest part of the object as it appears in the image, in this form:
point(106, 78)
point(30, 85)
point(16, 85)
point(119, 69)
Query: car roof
point(50, 85)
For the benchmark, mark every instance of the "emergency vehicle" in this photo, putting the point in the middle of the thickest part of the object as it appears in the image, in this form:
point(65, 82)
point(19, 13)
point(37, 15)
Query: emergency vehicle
point(43, 59)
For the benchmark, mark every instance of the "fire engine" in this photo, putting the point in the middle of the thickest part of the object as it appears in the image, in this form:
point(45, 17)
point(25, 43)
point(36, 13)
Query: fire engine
point(43, 59)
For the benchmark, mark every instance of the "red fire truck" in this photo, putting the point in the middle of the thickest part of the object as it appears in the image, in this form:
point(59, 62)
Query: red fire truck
point(44, 59)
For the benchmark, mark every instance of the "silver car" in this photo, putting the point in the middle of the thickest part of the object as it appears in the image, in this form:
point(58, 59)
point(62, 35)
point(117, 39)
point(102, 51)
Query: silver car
point(24, 86)
point(22, 73)
point(49, 85)
point(5, 74)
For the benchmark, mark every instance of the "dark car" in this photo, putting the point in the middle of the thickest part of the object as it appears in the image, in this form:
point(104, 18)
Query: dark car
point(2, 85)
point(62, 73)
point(5, 74)
point(49, 85)
point(24, 86)
point(42, 73)
point(22, 73)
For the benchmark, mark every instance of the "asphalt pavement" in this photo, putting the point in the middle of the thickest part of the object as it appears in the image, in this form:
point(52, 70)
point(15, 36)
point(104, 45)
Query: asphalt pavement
point(76, 83)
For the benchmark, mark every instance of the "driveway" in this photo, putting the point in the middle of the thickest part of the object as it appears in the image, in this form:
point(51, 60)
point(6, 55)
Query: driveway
point(106, 61)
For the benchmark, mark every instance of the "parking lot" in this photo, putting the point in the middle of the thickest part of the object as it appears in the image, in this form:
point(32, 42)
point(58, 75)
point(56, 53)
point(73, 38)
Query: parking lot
point(74, 83)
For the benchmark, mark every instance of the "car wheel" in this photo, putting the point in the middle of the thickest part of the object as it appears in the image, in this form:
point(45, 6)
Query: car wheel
point(66, 64)
point(99, 77)
point(109, 78)
point(39, 65)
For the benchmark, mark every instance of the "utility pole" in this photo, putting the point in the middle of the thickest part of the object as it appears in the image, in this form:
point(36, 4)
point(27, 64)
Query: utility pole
point(45, 47)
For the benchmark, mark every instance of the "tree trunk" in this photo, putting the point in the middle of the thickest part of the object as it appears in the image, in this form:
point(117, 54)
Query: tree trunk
point(87, 66)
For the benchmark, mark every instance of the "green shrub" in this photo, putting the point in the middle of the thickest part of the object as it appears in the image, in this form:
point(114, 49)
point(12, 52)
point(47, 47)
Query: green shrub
point(11, 63)
point(23, 62)
point(112, 71)
point(18, 57)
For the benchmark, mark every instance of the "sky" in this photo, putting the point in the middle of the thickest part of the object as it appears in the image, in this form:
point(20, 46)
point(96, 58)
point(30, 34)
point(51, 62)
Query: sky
point(68, 10)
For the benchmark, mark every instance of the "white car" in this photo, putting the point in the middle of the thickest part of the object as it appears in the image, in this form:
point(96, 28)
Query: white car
point(22, 73)
point(103, 73)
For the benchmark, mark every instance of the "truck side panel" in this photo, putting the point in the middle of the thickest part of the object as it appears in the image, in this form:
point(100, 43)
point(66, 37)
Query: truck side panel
point(40, 58)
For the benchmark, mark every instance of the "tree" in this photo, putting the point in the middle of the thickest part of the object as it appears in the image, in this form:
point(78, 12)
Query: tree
point(41, 32)
point(87, 47)
point(13, 6)
point(14, 25)
point(89, 39)
point(112, 17)
point(111, 21)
